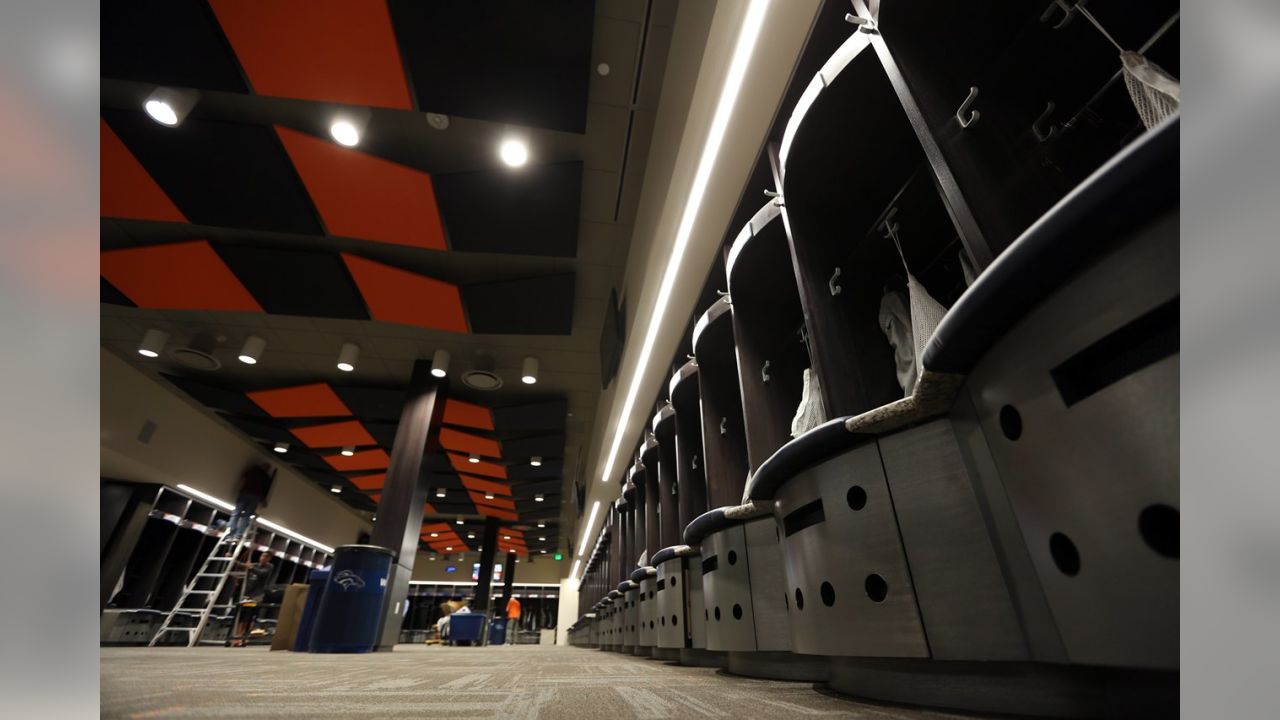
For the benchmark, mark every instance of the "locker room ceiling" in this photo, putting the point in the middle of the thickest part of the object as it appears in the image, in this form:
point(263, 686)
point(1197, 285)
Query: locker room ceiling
point(247, 219)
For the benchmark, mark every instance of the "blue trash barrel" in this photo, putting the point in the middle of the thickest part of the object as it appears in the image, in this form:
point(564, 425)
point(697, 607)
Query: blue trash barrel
point(498, 632)
point(347, 621)
point(316, 580)
point(467, 628)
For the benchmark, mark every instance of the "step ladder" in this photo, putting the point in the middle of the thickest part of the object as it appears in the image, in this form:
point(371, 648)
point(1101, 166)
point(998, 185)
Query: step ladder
point(215, 571)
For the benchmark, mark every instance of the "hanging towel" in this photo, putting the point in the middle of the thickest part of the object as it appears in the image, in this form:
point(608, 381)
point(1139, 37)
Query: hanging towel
point(895, 323)
point(926, 313)
point(811, 413)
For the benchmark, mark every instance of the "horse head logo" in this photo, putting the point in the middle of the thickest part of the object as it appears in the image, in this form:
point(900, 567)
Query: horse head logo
point(348, 580)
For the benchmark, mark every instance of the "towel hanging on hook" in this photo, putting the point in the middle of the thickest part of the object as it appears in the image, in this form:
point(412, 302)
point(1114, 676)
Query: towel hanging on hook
point(925, 313)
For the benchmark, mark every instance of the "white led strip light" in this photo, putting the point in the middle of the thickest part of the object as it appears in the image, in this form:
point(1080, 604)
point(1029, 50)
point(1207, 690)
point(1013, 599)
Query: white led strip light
point(261, 520)
point(747, 37)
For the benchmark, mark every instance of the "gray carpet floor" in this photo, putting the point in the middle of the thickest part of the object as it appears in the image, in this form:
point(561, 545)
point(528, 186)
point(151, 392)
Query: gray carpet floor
point(526, 682)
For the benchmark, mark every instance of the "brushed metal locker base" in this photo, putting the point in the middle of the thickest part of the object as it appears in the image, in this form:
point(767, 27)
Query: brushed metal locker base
point(779, 666)
point(696, 657)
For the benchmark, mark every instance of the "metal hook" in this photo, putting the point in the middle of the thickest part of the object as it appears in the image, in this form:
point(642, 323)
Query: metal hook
point(831, 284)
point(964, 108)
point(865, 25)
point(1068, 13)
point(764, 372)
point(725, 294)
point(694, 465)
point(724, 426)
point(777, 196)
point(1041, 135)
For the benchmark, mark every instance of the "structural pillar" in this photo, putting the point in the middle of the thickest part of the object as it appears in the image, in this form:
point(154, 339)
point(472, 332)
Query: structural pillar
point(404, 493)
point(484, 582)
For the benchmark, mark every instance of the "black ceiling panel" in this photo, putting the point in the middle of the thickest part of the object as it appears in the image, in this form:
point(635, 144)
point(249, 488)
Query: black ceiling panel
point(230, 401)
point(372, 403)
point(524, 471)
point(167, 42)
point(545, 446)
point(549, 415)
point(303, 458)
point(384, 433)
point(108, 293)
point(294, 282)
point(509, 61)
point(530, 212)
point(262, 430)
point(530, 306)
point(221, 173)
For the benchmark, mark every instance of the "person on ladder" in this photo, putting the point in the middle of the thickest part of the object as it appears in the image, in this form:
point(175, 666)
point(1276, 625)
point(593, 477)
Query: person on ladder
point(255, 483)
point(255, 590)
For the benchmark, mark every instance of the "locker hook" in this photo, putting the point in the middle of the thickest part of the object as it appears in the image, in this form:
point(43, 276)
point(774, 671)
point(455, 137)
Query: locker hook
point(764, 373)
point(725, 294)
point(694, 464)
point(831, 284)
point(1068, 13)
point(724, 426)
point(1040, 134)
point(777, 196)
point(865, 25)
point(964, 109)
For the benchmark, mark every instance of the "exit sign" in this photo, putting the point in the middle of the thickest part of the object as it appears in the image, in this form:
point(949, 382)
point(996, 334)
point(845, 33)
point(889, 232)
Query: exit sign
point(558, 556)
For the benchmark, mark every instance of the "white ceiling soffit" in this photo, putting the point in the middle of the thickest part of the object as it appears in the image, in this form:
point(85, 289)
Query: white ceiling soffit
point(665, 195)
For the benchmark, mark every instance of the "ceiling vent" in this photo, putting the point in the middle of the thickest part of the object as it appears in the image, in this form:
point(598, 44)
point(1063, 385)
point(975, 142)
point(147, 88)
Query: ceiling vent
point(198, 354)
point(481, 380)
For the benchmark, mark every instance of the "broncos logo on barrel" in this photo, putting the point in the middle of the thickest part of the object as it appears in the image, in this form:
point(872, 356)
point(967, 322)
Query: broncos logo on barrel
point(348, 580)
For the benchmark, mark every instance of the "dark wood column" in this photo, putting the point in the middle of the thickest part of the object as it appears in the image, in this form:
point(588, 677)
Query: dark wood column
point(484, 583)
point(404, 493)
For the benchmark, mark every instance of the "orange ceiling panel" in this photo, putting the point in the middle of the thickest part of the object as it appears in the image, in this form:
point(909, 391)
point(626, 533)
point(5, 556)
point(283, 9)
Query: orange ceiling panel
point(513, 533)
point(128, 190)
point(436, 527)
point(462, 442)
point(498, 501)
point(375, 497)
point(462, 464)
point(363, 460)
point(177, 276)
point(363, 196)
point(315, 400)
point(457, 412)
point(395, 295)
point(481, 485)
point(369, 482)
point(341, 51)
point(348, 432)
point(496, 512)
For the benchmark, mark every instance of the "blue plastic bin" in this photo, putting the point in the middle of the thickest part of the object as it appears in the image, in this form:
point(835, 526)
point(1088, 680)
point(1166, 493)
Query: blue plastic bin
point(316, 580)
point(498, 631)
point(347, 621)
point(467, 627)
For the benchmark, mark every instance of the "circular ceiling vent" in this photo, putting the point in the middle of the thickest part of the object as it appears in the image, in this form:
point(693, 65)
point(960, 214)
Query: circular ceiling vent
point(481, 380)
point(195, 359)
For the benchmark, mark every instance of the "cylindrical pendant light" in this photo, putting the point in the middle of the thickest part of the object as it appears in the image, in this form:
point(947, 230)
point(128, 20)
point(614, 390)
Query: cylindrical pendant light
point(252, 351)
point(538, 498)
point(349, 450)
point(152, 343)
point(440, 363)
point(440, 492)
point(474, 458)
point(169, 106)
point(529, 371)
point(347, 357)
point(536, 461)
point(281, 447)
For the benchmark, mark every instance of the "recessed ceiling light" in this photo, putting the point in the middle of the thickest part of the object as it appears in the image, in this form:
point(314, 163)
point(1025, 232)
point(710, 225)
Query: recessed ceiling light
point(536, 461)
point(152, 343)
point(335, 489)
point(538, 498)
point(488, 496)
point(506, 537)
point(345, 133)
point(529, 371)
point(542, 524)
point(440, 492)
point(431, 557)
point(458, 521)
point(448, 548)
point(281, 447)
point(471, 536)
point(435, 534)
point(440, 363)
point(347, 356)
point(474, 458)
point(514, 153)
point(544, 552)
point(348, 451)
point(252, 351)
point(542, 538)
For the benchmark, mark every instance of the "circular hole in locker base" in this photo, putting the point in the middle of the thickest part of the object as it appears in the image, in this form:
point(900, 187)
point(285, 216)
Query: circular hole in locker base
point(717, 613)
point(1064, 553)
point(706, 613)
point(674, 621)
point(650, 624)
point(733, 557)
point(799, 599)
point(876, 587)
point(1010, 422)
point(737, 611)
point(673, 581)
point(828, 594)
point(1159, 527)
point(664, 621)
point(786, 601)
point(856, 497)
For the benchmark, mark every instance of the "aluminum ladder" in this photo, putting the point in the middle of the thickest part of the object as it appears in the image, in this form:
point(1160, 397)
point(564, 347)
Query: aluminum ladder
point(217, 568)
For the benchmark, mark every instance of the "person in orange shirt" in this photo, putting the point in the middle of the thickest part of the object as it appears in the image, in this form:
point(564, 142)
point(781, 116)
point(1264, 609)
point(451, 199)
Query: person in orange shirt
point(513, 619)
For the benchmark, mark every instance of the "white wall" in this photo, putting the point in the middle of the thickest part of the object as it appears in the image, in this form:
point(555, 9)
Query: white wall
point(542, 570)
point(568, 613)
point(192, 448)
